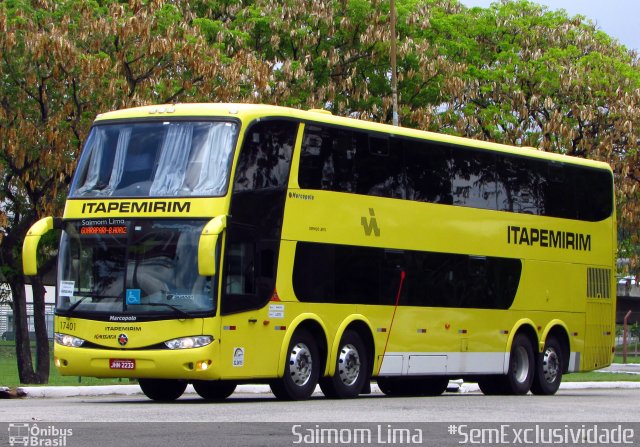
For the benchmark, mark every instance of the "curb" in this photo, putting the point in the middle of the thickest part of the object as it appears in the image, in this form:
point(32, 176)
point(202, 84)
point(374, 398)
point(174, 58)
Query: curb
point(133, 390)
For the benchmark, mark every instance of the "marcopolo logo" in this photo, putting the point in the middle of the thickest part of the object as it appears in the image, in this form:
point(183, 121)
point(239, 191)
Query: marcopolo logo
point(35, 435)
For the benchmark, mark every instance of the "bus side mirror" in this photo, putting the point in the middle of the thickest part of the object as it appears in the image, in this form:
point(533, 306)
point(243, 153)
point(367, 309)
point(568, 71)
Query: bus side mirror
point(30, 245)
point(207, 245)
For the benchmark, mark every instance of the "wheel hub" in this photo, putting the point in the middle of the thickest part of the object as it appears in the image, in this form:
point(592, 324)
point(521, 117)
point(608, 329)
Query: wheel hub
point(300, 364)
point(349, 365)
point(550, 365)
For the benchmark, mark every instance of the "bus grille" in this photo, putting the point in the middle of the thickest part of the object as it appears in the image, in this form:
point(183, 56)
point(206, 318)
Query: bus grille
point(598, 283)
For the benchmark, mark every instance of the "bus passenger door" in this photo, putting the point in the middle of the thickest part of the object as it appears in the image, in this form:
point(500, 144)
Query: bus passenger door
point(250, 342)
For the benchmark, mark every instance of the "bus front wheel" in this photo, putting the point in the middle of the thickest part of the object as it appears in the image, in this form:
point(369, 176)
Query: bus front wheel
point(549, 369)
point(301, 370)
point(214, 389)
point(164, 390)
point(351, 369)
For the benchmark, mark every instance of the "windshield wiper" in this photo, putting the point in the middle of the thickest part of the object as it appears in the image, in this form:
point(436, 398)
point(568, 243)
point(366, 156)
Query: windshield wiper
point(77, 303)
point(172, 307)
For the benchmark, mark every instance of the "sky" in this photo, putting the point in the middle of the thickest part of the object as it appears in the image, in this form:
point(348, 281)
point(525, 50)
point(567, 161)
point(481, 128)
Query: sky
point(618, 18)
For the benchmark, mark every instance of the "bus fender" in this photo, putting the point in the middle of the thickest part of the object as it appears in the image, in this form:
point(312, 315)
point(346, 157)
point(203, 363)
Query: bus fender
point(548, 328)
point(521, 323)
point(293, 326)
point(335, 346)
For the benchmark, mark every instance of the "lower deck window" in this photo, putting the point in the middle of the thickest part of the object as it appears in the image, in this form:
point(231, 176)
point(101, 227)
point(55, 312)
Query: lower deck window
point(366, 275)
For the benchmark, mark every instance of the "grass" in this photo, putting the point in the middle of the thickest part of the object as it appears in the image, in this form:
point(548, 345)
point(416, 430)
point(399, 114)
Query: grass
point(595, 376)
point(9, 371)
point(631, 358)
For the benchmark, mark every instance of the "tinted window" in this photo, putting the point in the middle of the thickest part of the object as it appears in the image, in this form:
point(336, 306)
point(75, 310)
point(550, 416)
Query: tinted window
point(520, 183)
point(379, 169)
point(593, 194)
point(328, 158)
point(365, 275)
point(428, 172)
point(473, 178)
point(374, 164)
point(558, 192)
point(265, 157)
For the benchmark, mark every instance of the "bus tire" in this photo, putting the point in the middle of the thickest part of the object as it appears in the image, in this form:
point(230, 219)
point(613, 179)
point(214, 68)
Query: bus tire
point(301, 370)
point(549, 367)
point(214, 390)
point(433, 386)
point(391, 386)
point(163, 390)
point(351, 369)
point(521, 366)
point(492, 385)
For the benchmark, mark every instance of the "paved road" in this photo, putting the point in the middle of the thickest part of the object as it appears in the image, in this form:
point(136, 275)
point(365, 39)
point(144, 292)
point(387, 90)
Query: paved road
point(259, 419)
point(581, 405)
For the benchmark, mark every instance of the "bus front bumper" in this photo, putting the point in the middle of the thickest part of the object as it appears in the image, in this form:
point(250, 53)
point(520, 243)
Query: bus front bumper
point(187, 364)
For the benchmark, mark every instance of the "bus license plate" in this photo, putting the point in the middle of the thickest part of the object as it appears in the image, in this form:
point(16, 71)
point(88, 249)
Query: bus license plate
point(122, 364)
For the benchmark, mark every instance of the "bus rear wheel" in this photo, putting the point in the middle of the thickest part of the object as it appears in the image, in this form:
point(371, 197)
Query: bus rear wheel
point(519, 377)
point(163, 390)
point(549, 367)
point(521, 366)
point(301, 370)
point(351, 369)
point(214, 389)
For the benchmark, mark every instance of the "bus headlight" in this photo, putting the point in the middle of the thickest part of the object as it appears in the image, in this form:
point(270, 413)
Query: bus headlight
point(68, 340)
point(189, 342)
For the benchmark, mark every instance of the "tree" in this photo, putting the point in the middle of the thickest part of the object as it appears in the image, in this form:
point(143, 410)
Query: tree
point(543, 79)
point(62, 62)
point(335, 54)
point(513, 73)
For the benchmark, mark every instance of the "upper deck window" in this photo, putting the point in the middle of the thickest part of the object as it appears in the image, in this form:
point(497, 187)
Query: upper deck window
point(156, 159)
point(368, 163)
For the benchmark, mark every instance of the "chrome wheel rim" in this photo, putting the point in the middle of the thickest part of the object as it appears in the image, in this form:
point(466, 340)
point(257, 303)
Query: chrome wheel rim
point(550, 365)
point(349, 364)
point(300, 364)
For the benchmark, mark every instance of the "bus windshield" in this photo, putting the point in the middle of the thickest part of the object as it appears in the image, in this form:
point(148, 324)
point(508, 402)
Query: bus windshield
point(132, 267)
point(156, 159)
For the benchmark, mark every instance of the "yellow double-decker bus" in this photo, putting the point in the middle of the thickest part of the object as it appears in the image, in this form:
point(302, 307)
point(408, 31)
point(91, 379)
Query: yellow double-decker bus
point(221, 244)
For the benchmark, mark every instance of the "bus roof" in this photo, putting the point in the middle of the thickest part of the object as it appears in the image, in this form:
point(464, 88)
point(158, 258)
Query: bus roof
point(249, 112)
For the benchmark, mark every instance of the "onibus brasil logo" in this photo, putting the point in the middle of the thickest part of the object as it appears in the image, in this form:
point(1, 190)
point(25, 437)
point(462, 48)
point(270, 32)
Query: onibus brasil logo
point(35, 435)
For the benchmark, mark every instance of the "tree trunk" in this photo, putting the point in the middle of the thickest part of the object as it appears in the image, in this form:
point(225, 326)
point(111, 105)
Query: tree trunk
point(21, 329)
point(40, 324)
